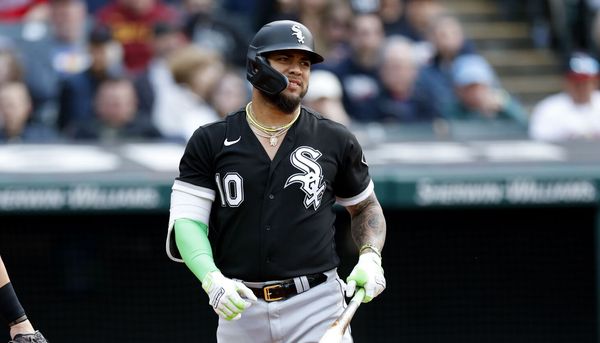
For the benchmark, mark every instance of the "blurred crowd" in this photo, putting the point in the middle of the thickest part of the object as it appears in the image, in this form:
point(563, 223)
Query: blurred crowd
point(112, 70)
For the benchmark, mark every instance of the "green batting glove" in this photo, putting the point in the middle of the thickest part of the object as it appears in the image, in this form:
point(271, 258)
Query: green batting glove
point(367, 274)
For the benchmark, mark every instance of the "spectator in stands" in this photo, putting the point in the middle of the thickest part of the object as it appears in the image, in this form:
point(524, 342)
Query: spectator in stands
point(231, 93)
point(448, 40)
point(358, 72)
point(116, 116)
point(574, 113)
point(70, 26)
point(67, 38)
point(325, 96)
point(12, 72)
point(393, 18)
point(479, 96)
point(336, 32)
point(156, 83)
point(419, 15)
point(78, 90)
point(312, 13)
point(196, 72)
point(15, 116)
point(208, 29)
point(60, 53)
point(409, 18)
point(11, 69)
point(402, 99)
point(132, 23)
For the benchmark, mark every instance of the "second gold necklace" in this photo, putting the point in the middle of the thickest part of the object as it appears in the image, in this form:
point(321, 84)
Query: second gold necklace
point(271, 132)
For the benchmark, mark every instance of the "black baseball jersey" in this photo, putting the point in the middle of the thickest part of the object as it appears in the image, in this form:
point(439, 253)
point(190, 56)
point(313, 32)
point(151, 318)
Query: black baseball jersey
point(273, 220)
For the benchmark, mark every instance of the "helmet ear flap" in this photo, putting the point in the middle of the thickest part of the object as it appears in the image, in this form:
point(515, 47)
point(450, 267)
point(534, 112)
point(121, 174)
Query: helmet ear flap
point(265, 77)
point(276, 36)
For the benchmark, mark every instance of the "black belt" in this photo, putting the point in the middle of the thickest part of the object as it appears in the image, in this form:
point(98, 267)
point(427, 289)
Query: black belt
point(286, 288)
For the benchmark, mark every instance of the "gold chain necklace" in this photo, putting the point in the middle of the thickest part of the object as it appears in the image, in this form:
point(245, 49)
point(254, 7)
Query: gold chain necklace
point(272, 132)
point(273, 139)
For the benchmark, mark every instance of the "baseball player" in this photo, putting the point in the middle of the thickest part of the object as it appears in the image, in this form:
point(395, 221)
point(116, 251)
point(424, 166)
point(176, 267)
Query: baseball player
point(21, 330)
point(252, 208)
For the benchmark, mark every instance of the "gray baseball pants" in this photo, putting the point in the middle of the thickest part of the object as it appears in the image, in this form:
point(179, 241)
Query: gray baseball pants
point(303, 318)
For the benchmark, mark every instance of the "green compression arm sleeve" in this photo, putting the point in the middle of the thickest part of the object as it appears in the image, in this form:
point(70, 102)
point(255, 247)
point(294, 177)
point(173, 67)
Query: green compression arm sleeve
point(191, 238)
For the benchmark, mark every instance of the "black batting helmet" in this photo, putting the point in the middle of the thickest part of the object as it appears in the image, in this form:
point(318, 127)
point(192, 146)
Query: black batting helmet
point(276, 36)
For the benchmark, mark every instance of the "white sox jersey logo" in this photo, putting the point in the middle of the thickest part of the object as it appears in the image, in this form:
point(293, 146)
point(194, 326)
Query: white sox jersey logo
point(311, 179)
point(296, 32)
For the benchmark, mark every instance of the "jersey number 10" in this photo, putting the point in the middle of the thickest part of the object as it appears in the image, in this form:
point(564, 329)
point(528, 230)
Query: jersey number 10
point(231, 189)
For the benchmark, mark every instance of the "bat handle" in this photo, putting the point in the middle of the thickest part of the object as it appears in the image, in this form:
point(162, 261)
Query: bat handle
point(359, 296)
point(353, 305)
point(336, 331)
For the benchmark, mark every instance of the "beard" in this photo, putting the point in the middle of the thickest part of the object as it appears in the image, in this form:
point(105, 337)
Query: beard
point(285, 103)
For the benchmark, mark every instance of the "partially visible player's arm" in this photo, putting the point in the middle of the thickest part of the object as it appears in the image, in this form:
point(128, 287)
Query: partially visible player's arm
point(225, 295)
point(368, 223)
point(191, 239)
point(21, 329)
point(368, 230)
point(192, 242)
point(10, 307)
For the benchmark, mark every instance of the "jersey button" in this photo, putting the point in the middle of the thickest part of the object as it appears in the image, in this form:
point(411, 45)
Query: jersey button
point(271, 196)
point(268, 260)
point(268, 228)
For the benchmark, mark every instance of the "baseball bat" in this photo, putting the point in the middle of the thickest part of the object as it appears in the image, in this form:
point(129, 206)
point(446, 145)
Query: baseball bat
point(336, 331)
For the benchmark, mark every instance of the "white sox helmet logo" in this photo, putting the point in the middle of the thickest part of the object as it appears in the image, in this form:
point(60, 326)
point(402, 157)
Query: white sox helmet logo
point(305, 159)
point(298, 33)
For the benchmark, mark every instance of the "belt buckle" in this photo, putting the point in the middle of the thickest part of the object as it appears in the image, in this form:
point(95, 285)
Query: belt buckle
point(267, 292)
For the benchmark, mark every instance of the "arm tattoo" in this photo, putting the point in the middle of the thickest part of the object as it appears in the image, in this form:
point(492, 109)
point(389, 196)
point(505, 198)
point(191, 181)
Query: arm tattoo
point(368, 222)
